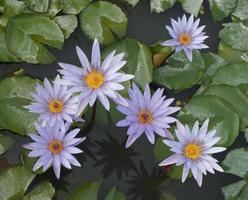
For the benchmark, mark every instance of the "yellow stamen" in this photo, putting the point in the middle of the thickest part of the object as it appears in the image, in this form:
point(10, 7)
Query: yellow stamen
point(55, 106)
point(192, 151)
point(145, 117)
point(94, 79)
point(55, 146)
point(184, 39)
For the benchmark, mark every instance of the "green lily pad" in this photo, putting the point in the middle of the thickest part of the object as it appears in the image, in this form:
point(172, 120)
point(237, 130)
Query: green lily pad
point(192, 6)
point(104, 21)
point(14, 94)
point(222, 118)
point(180, 74)
point(161, 5)
point(138, 57)
point(232, 191)
point(114, 194)
point(67, 23)
point(37, 5)
point(132, 2)
point(26, 32)
point(241, 11)
point(88, 190)
point(235, 35)
point(14, 181)
point(236, 162)
point(5, 143)
point(74, 6)
point(44, 191)
point(221, 8)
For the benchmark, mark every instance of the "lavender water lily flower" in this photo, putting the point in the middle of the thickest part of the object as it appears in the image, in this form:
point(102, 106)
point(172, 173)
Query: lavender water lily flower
point(147, 114)
point(96, 80)
point(186, 35)
point(54, 104)
point(193, 150)
point(54, 147)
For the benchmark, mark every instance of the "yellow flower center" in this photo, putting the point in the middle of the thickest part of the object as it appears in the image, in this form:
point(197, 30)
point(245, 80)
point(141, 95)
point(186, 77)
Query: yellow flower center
point(145, 117)
point(192, 151)
point(184, 39)
point(55, 106)
point(55, 146)
point(94, 79)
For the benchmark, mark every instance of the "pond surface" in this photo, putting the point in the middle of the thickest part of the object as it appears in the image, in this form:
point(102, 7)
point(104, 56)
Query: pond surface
point(134, 171)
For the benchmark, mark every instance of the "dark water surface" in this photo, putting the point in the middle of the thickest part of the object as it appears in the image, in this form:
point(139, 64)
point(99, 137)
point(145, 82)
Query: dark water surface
point(134, 171)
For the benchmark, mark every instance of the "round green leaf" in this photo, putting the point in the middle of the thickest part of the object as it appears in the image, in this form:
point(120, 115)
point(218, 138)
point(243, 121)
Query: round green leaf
point(26, 32)
point(114, 194)
point(192, 6)
point(231, 192)
point(14, 181)
point(37, 5)
point(132, 2)
point(5, 143)
point(104, 21)
point(222, 118)
point(74, 6)
point(161, 5)
point(241, 11)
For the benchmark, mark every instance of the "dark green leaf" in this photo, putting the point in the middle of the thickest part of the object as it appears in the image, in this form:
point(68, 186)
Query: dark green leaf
point(222, 118)
point(192, 6)
point(161, 5)
point(5, 143)
point(244, 194)
point(236, 162)
point(74, 6)
point(44, 191)
point(114, 194)
point(132, 2)
point(14, 94)
point(229, 54)
point(235, 35)
point(88, 190)
point(37, 5)
point(26, 32)
point(180, 73)
point(233, 74)
point(54, 8)
point(232, 191)
point(14, 181)
point(241, 10)
point(5, 55)
point(221, 8)
point(67, 23)
point(138, 57)
point(234, 96)
point(104, 21)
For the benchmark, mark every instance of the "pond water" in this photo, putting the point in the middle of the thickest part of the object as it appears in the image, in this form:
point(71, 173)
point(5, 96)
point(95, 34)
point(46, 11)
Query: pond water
point(134, 171)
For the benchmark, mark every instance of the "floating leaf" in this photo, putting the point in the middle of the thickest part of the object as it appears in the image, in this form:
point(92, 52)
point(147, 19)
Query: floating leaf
point(74, 6)
point(5, 55)
point(138, 57)
point(232, 191)
point(14, 94)
point(26, 32)
point(244, 193)
point(235, 35)
point(14, 181)
point(235, 97)
point(229, 54)
point(236, 162)
point(192, 6)
point(221, 8)
point(222, 118)
point(54, 8)
point(37, 5)
point(132, 2)
point(161, 5)
point(241, 11)
point(88, 190)
point(44, 191)
point(104, 21)
point(232, 74)
point(5, 143)
point(114, 194)
point(11, 8)
point(67, 23)
point(180, 73)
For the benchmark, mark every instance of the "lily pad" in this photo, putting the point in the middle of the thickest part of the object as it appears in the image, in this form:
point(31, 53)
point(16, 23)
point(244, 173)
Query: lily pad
point(192, 6)
point(26, 32)
point(161, 5)
point(104, 21)
point(114, 194)
point(5, 143)
point(14, 94)
point(74, 6)
point(241, 11)
point(232, 191)
point(37, 5)
point(132, 2)
point(222, 118)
